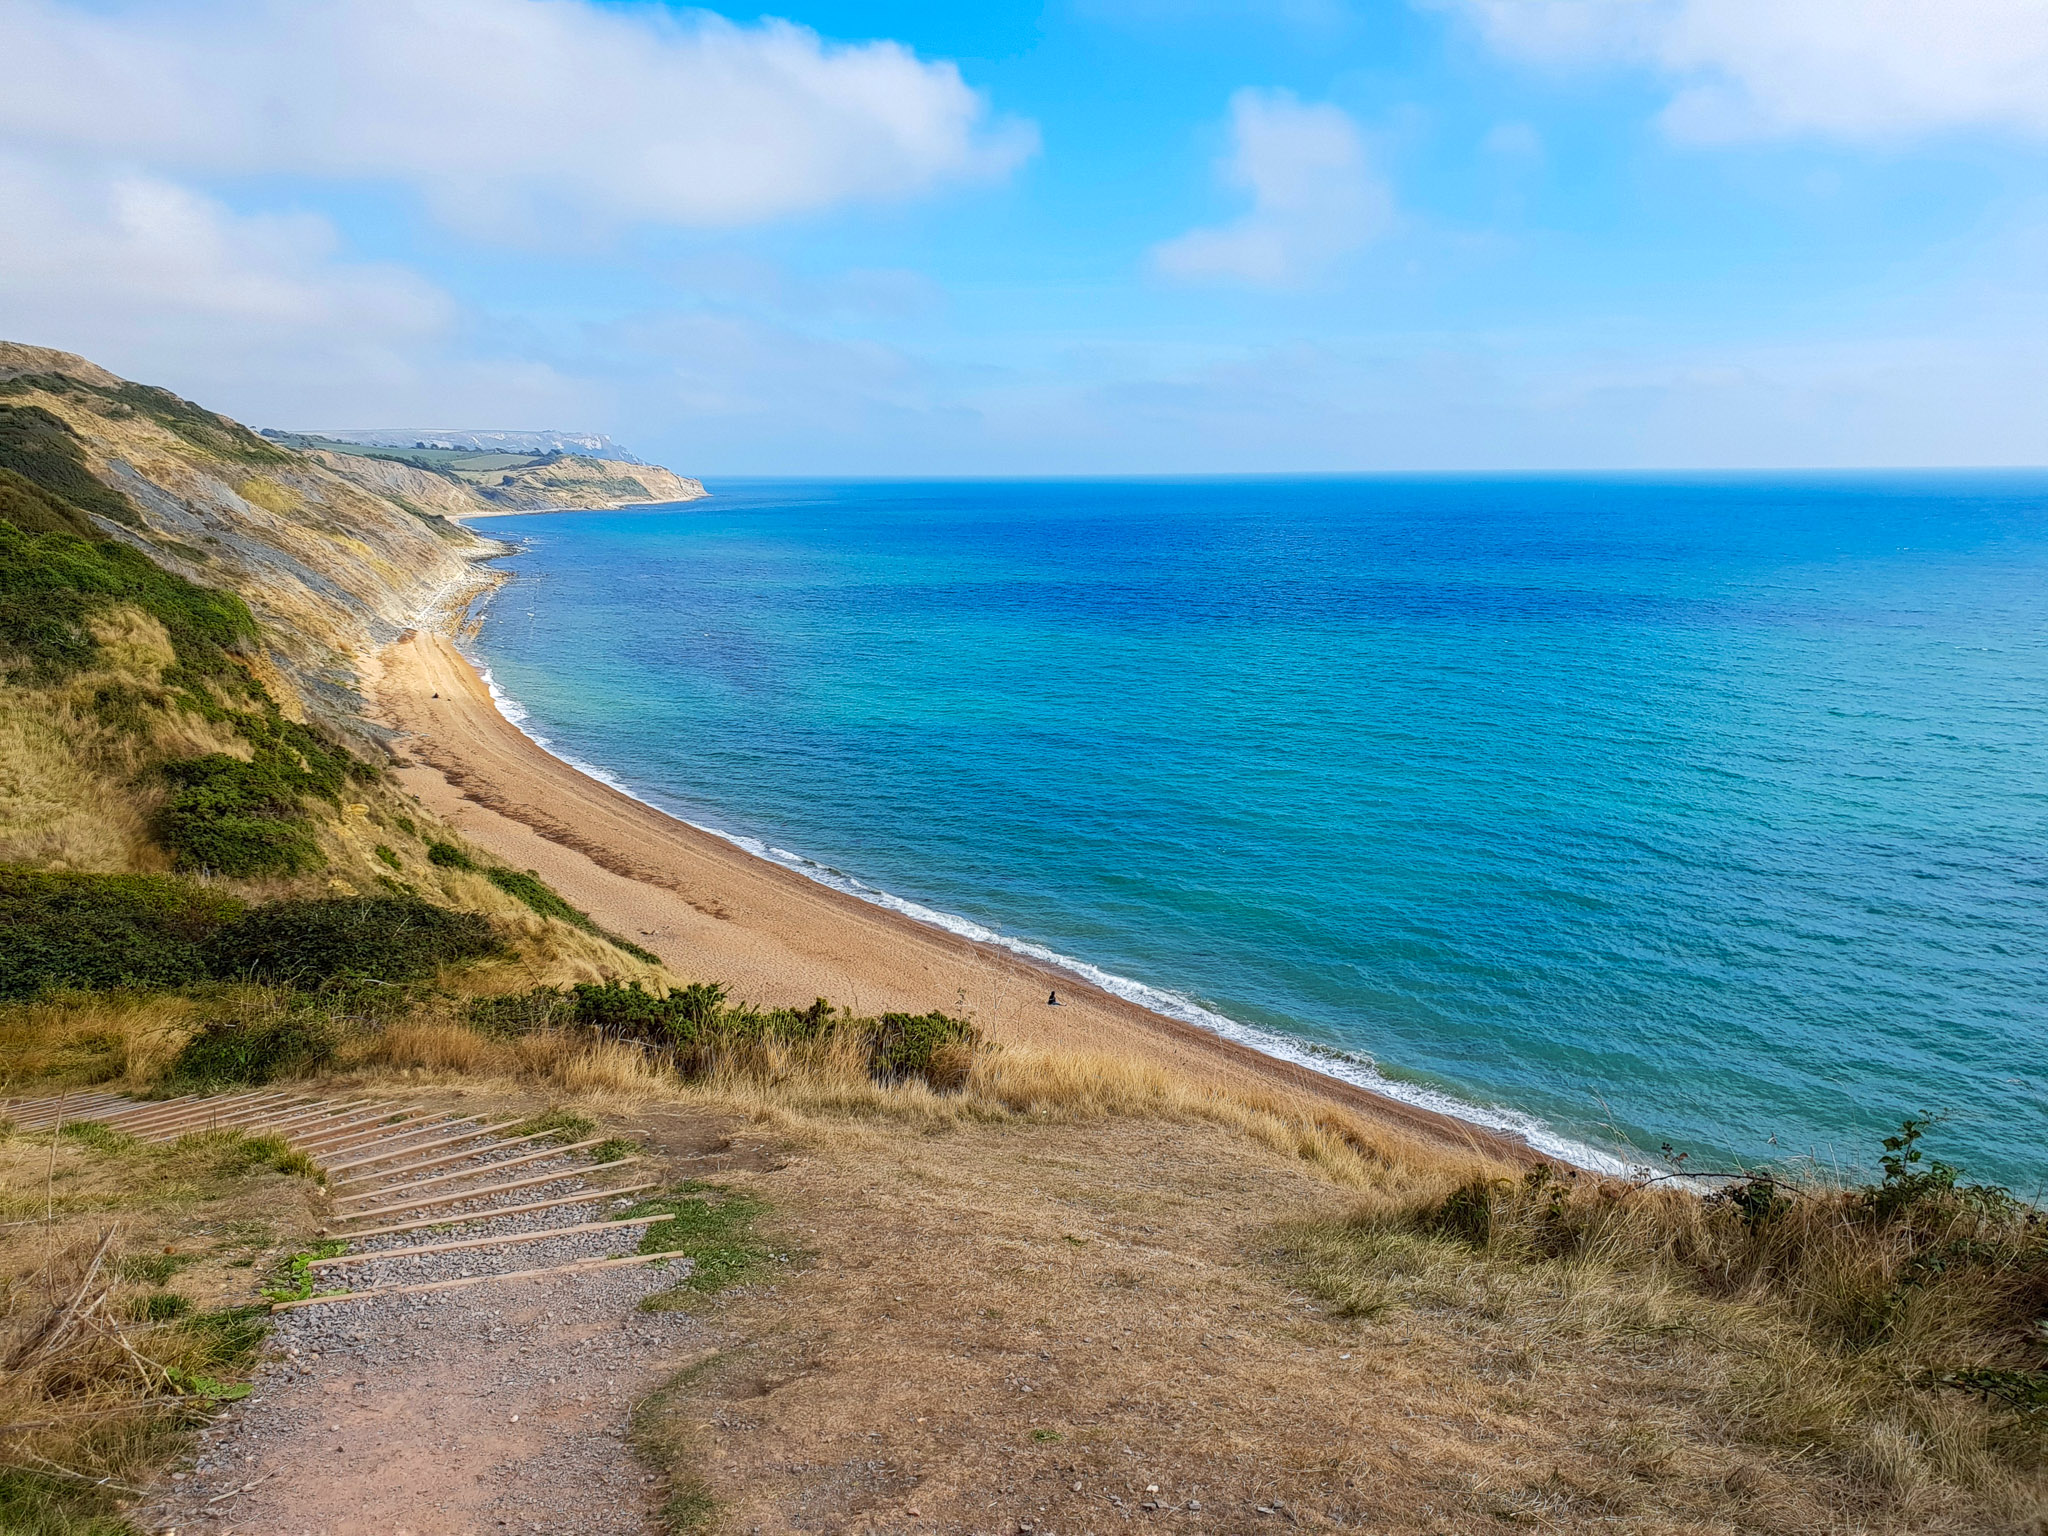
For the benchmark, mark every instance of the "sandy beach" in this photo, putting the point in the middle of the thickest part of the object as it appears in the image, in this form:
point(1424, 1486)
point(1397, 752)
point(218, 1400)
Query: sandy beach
point(713, 911)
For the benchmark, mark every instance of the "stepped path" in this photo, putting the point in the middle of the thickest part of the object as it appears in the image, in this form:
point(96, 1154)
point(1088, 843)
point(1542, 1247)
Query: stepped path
point(469, 1344)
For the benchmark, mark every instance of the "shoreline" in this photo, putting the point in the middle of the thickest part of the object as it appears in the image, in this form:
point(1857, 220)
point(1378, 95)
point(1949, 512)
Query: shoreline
point(713, 908)
point(613, 506)
point(1321, 1062)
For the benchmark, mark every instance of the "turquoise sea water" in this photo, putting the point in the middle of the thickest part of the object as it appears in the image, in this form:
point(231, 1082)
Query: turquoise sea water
point(1627, 811)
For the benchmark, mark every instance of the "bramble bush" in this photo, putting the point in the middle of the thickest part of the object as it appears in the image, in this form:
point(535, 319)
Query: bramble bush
point(238, 1051)
point(102, 931)
point(323, 940)
point(696, 1025)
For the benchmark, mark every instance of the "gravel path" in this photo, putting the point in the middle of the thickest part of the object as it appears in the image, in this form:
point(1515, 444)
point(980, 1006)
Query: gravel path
point(495, 1408)
point(502, 1405)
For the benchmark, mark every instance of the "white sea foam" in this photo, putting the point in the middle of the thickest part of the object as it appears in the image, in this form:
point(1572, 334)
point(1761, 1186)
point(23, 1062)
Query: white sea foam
point(1358, 1070)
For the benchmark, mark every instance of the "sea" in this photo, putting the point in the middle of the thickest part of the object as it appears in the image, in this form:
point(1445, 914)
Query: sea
point(1685, 823)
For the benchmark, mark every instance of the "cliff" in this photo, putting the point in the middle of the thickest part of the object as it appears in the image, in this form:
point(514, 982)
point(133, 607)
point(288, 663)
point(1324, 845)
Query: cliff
point(185, 613)
point(558, 483)
point(329, 563)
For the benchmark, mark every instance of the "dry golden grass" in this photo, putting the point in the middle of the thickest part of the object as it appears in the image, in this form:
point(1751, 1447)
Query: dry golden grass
point(104, 1366)
point(1178, 1271)
point(1815, 1334)
point(118, 1041)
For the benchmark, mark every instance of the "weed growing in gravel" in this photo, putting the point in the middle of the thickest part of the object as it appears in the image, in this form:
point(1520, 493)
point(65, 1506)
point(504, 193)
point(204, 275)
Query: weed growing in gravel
point(292, 1280)
point(688, 1508)
point(663, 1436)
point(713, 1227)
point(563, 1125)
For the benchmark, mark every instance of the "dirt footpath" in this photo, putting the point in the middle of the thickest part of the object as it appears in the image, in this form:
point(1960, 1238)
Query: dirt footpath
point(497, 1408)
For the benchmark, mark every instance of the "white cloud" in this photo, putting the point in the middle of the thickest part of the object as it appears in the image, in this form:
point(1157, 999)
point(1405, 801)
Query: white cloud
point(1316, 196)
point(160, 283)
point(1863, 70)
point(518, 116)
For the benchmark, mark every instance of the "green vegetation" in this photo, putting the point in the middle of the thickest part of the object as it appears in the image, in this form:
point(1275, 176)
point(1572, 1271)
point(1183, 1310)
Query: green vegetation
point(158, 1307)
point(241, 818)
point(101, 1138)
point(448, 856)
point(689, 1508)
point(52, 585)
point(104, 931)
point(338, 939)
point(932, 1046)
point(696, 1026)
point(713, 1227)
point(143, 1395)
point(521, 1013)
point(559, 1125)
point(239, 1052)
point(292, 1279)
point(42, 450)
point(57, 578)
point(154, 1268)
point(528, 887)
point(33, 510)
point(203, 429)
point(458, 460)
point(156, 932)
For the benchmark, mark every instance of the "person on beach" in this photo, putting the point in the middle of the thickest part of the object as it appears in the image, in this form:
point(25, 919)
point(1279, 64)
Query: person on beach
point(1052, 1000)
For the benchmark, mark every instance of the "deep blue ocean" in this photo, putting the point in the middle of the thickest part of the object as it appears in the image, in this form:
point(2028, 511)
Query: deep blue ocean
point(1626, 811)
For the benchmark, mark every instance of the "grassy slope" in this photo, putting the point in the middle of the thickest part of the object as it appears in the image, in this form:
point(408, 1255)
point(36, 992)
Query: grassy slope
point(1177, 1274)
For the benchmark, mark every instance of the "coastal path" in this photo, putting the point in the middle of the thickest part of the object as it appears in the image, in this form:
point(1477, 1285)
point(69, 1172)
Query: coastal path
point(460, 1350)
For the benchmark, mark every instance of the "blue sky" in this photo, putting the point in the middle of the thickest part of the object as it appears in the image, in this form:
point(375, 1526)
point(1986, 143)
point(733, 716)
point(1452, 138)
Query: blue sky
point(1091, 236)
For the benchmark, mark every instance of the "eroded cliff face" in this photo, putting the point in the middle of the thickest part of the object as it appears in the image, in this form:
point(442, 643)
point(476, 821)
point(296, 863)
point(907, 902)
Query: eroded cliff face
point(329, 564)
point(578, 485)
point(566, 484)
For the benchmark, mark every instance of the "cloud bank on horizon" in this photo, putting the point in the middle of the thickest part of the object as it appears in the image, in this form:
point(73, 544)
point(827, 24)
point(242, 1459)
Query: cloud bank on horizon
point(1100, 236)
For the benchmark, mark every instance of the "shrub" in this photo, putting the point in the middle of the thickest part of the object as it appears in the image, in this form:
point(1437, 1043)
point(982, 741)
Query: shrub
point(240, 1052)
point(696, 1023)
point(33, 510)
point(52, 584)
point(103, 931)
point(224, 819)
point(387, 857)
point(928, 1045)
point(448, 856)
point(529, 888)
point(307, 943)
point(249, 818)
point(521, 1013)
point(41, 448)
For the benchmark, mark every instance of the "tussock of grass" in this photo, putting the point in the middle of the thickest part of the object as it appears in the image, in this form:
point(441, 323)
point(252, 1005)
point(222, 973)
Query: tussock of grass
point(101, 1383)
point(712, 1226)
point(528, 887)
point(1847, 1324)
